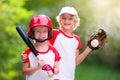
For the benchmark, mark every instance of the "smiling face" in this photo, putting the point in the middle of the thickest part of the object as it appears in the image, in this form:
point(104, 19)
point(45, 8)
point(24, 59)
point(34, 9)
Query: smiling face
point(67, 21)
point(40, 32)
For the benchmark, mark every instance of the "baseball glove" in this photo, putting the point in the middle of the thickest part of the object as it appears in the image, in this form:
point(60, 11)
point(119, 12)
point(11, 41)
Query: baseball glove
point(97, 39)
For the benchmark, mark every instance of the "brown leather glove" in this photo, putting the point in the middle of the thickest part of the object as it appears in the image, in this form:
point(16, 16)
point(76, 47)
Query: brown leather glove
point(97, 39)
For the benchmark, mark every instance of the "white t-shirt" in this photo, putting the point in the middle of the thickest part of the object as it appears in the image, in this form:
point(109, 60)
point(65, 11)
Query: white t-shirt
point(66, 46)
point(49, 56)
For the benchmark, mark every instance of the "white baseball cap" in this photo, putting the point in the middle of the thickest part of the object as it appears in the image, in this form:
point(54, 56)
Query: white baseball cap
point(69, 10)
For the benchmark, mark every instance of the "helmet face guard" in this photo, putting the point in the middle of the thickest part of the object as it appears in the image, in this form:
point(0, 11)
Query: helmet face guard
point(40, 20)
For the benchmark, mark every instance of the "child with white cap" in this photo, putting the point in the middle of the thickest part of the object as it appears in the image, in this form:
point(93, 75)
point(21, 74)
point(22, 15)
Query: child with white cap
point(67, 43)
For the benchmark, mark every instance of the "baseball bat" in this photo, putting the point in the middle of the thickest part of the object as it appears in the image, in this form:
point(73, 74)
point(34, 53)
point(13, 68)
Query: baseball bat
point(26, 40)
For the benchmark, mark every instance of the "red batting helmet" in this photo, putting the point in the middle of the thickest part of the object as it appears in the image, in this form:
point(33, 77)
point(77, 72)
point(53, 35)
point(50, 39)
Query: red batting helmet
point(40, 20)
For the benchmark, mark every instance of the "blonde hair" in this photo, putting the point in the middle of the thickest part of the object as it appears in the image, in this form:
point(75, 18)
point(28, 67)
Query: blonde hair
point(72, 11)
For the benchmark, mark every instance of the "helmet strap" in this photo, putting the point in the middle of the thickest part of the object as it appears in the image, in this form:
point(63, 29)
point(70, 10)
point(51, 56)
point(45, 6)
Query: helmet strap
point(40, 40)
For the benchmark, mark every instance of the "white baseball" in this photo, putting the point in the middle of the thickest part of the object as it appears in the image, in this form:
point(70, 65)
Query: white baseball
point(94, 43)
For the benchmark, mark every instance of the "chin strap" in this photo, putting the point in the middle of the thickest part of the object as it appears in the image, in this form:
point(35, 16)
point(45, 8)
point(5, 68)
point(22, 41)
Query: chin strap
point(40, 40)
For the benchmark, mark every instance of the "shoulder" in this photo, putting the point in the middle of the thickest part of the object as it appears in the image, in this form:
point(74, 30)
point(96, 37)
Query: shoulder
point(76, 37)
point(56, 53)
point(55, 31)
point(79, 41)
point(25, 54)
point(27, 51)
point(52, 48)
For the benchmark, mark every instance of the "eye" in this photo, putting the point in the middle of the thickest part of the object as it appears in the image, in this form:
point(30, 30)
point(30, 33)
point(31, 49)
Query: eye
point(38, 31)
point(45, 31)
point(63, 18)
point(71, 18)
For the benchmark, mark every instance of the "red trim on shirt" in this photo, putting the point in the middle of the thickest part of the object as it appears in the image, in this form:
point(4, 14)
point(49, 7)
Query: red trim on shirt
point(65, 34)
point(57, 56)
point(25, 55)
point(55, 32)
point(44, 51)
point(80, 44)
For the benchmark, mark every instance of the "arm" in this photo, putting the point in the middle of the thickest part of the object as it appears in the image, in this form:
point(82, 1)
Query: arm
point(27, 70)
point(82, 56)
point(56, 67)
point(96, 41)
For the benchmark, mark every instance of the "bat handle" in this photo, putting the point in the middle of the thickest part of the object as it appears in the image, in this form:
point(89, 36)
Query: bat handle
point(38, 57)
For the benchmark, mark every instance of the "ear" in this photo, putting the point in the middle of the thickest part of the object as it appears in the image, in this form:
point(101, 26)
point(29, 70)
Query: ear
point(50, 34)
point(75, 21)
point(31, 33)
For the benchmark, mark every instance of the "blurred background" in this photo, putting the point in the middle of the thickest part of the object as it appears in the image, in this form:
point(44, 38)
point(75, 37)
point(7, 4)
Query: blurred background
point(103, 64)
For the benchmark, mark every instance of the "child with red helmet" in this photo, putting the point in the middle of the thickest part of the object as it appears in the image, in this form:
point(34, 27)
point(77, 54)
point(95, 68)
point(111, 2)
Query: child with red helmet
point(67, 43)
point(40, 30)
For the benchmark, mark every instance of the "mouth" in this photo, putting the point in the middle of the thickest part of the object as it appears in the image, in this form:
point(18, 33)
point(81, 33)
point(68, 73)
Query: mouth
point(41, 38)
point(67, 24)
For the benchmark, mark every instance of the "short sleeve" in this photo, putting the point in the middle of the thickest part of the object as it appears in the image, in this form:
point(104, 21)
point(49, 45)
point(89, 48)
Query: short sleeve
point(79, 42)
point(55, 32)
point(25, 55)
point(57, 56)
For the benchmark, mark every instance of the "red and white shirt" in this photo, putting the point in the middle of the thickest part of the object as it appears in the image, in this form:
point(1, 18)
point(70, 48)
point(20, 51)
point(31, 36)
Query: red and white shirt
point(66, 46)
point(50, 56)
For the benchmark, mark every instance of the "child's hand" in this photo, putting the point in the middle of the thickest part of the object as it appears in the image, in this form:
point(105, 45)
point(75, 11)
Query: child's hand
point(41, 63)
point(56, 71)
point(24, 57)
point(97, 39)
point(56, 67)
point(49, 70)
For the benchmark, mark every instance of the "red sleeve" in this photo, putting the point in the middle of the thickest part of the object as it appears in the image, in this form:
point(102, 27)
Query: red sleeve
point(54, 33)
point(79, 42)
point(25, 55)
point(57, 56)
